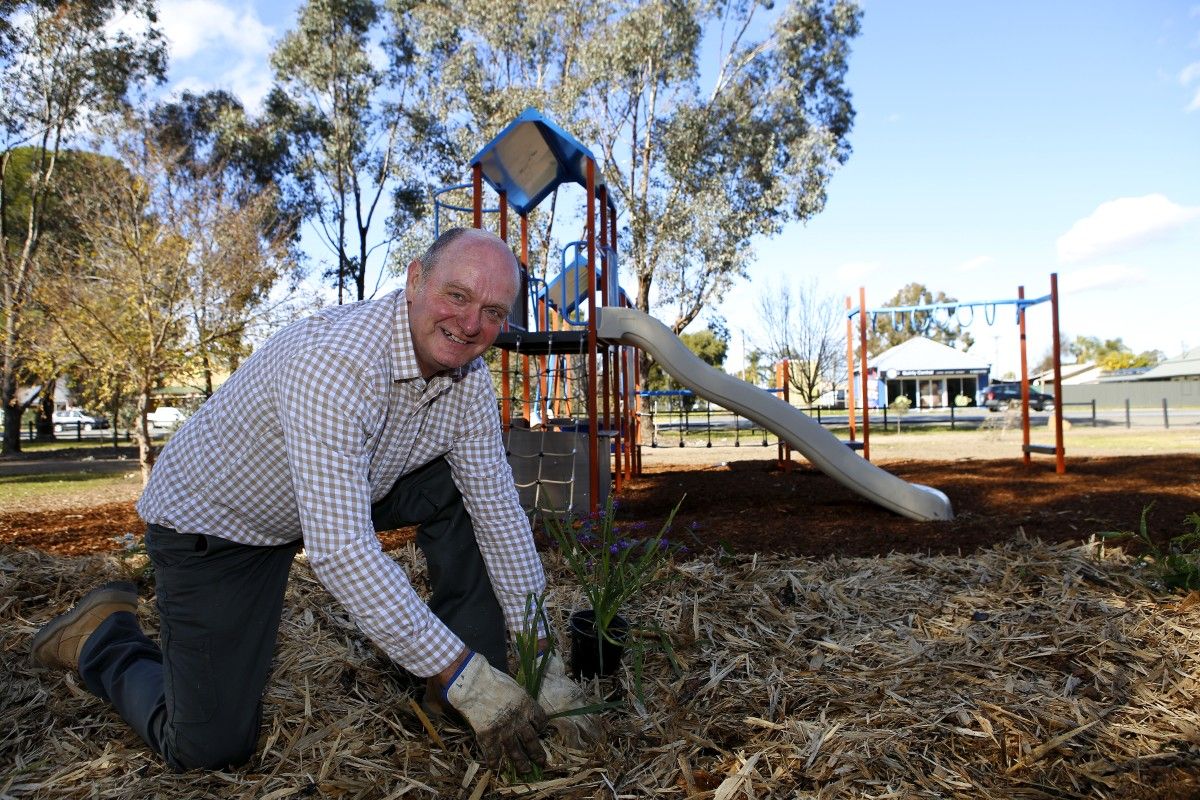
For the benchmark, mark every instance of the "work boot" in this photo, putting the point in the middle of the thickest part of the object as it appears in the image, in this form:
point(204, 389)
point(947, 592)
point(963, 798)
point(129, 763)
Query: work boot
point(60, 641)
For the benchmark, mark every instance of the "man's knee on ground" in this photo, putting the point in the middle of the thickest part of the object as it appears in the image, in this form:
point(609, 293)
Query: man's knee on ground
point(217, 754)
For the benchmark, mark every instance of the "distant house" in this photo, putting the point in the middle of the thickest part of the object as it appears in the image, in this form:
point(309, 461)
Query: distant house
point(1180, 368)
point(1072, 374)
point(929, 373)
point(1175, 383)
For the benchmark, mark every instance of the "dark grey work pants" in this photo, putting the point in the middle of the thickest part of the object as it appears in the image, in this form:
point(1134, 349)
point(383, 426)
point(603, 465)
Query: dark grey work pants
point(197, 701)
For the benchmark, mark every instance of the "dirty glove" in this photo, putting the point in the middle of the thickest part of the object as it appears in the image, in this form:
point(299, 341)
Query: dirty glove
point(504, 717)
point(560, 693)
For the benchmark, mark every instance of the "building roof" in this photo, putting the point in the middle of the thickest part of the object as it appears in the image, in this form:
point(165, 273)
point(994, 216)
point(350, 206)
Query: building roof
point(1185, 365)
point(921, 356)
point(1077, 373)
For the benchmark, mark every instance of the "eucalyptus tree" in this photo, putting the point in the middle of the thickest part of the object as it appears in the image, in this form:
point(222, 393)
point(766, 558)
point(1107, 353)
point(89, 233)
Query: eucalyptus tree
point(61, 65)
point(491, 61)
point(709, 133)
point(709, 151)
point(945, 326)
point(217, 157)
point(346, 96)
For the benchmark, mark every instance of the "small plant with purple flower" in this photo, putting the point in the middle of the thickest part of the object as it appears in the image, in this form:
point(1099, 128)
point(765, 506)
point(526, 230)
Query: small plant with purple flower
point(611, 563)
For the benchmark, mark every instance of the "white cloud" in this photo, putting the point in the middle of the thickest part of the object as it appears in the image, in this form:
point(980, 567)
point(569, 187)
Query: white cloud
point(855, 273)
point(1122, 223)
point(975, 264)
point(1187, 76)
point(1101, 276)
point(216, 46)
point(200, 27)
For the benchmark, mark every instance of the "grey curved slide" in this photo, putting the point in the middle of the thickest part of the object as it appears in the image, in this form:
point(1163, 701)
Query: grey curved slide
point(826, 452)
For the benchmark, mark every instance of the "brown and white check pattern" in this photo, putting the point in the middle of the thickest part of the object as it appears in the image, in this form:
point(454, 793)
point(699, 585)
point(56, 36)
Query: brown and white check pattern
point(316, 426)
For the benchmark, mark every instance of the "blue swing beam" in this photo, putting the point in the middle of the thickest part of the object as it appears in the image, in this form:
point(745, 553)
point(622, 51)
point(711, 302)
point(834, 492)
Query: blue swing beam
point(1021, 303)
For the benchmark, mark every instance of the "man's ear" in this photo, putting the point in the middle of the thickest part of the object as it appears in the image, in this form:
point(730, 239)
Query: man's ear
point(413, 280)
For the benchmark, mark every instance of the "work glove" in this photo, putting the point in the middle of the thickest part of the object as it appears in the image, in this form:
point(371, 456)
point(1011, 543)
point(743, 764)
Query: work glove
point(504, 717)
point(560, 693)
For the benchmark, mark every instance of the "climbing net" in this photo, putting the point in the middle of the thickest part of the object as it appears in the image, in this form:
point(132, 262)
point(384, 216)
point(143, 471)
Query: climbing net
point(542, 394)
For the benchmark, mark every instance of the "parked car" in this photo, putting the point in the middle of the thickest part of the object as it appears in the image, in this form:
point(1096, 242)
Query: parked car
point(1002, 395)
point(76, 419)
point(166, 417)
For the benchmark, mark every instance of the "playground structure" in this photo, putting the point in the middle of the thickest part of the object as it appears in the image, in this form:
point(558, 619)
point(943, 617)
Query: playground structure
point(568, 356)
point(951, 309)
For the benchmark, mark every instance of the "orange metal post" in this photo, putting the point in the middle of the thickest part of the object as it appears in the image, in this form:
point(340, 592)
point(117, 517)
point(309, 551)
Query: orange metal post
point(526, 411)
point(637, 417)
point(1060, 456)
point(786, 378)
point(505, 363)
point(1024, 378)
point(627, 422)
point(849, 369)
point(477, 195)
point(862, 340)
point(606, 354)
point(593, 442)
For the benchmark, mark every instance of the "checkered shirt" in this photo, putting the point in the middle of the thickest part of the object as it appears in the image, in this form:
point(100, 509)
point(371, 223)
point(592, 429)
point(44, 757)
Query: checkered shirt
point(317, 425)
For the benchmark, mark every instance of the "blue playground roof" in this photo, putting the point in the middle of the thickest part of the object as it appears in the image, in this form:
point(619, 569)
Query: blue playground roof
point(530, 158)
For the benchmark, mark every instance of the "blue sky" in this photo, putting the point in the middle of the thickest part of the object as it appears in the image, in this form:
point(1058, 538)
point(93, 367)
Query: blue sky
point(994, 144)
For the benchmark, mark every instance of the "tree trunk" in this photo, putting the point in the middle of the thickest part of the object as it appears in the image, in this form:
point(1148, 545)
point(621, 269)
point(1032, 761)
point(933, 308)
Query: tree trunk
point(12, 412)
point(146, 449)
point(45, 420)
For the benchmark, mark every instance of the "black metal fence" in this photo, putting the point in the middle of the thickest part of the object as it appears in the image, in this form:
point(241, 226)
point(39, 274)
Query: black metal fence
point(679, 418)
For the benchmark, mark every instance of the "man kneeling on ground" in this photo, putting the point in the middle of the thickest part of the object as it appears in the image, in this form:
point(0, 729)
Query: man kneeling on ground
point(361, 418)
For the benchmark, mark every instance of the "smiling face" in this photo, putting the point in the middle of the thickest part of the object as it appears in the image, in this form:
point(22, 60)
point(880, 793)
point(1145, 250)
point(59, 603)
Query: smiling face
point(456, 308)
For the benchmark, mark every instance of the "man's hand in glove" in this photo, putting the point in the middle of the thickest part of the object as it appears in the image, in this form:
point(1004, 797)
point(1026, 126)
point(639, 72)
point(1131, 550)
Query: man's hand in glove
point(504, 717)
point(560, 693)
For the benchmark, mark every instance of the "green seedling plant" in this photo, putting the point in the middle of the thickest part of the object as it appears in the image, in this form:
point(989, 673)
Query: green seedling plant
point(1175, 567)
point(534, 647)
point(612, 567)
point(134, 558)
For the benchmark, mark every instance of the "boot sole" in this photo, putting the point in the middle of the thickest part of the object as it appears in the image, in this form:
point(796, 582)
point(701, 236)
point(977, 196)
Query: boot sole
point(115, 592)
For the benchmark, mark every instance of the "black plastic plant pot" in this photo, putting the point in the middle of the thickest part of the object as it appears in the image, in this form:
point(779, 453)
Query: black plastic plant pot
point(592, 654)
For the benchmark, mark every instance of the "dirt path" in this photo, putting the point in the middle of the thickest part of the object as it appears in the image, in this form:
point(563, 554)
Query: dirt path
point(739, 498)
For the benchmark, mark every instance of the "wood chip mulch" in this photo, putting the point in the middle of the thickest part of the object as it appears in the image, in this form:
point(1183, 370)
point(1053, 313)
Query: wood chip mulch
point(1024, 670)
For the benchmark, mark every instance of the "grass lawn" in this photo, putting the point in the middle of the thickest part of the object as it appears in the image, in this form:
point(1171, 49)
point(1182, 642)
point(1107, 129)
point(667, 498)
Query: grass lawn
point(21, 490)
point(98, 444)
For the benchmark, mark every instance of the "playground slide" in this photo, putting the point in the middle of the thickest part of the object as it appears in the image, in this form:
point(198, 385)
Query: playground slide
point(826, 452)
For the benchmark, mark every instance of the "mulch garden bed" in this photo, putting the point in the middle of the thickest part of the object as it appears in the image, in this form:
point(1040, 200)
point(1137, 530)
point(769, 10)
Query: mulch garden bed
point(825, 649)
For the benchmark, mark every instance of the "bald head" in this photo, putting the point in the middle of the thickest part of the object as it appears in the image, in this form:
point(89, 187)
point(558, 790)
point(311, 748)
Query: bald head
point(470, 237)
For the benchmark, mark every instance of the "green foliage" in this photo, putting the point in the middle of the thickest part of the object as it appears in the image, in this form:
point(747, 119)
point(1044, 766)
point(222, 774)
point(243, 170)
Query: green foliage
point(1111, 354)
point(355, 131)
point(1175, 567)
point(611, 568)
point(134, 559)
point(886, 331)
point(701, 161)
point(709, 345)
point(64, 66)
point(531, 667)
